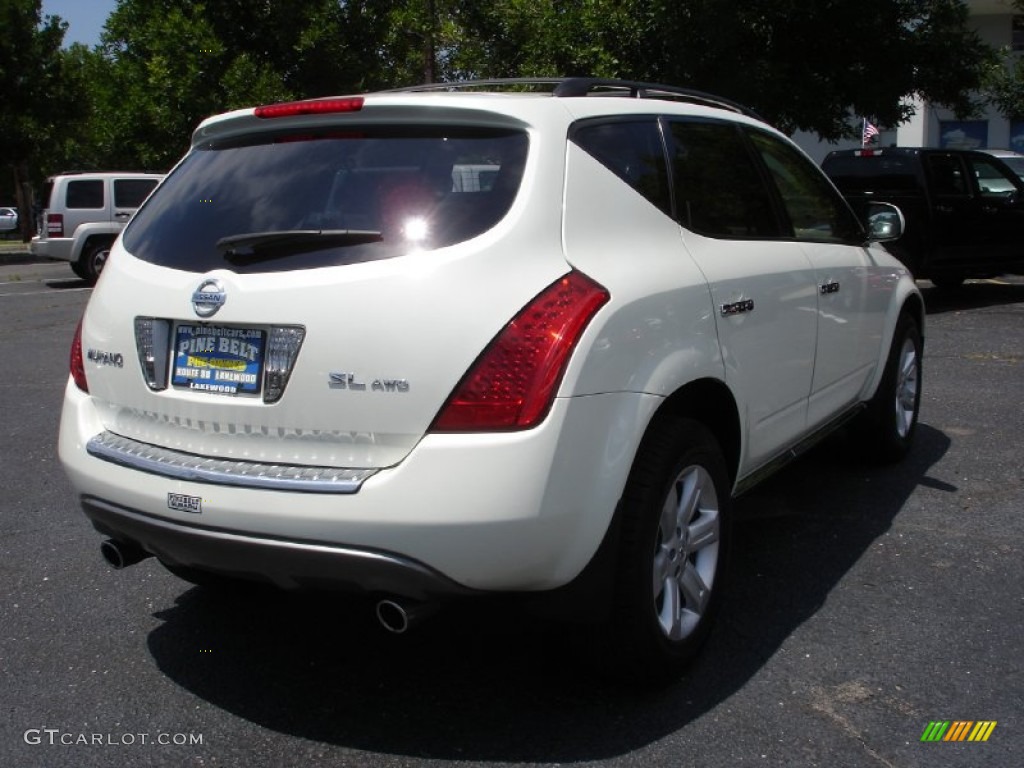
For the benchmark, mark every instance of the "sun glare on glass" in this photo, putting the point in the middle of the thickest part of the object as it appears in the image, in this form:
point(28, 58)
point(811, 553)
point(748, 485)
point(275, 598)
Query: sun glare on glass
point(416, 229)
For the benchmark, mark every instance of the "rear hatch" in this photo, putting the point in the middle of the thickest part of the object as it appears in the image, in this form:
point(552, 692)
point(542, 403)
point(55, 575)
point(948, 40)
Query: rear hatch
point(310, 290)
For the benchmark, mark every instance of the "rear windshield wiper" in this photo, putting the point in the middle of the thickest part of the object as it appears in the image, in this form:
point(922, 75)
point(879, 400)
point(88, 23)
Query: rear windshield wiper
point(257, 246)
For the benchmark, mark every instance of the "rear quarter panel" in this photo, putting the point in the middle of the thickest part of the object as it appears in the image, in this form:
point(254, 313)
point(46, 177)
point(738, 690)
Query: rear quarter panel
point(658, 331)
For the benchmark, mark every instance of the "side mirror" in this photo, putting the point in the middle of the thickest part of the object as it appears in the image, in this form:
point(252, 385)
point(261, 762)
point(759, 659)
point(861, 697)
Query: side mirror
point(885, 222)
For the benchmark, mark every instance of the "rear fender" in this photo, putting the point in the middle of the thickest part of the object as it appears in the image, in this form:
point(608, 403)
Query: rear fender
point(91, 234)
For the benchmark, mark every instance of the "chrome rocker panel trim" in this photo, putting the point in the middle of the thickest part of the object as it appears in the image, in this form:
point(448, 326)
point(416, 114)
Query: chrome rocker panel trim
point(244, 474)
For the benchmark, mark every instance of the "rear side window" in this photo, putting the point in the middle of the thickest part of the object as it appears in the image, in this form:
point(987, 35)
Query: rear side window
point(1016, 164)
point(129, 193)
point(948, 175)
point(85, 193)
point(816, 211)
point(718, 188)
point(993, 181)
point(633, 151)
point(276, 202)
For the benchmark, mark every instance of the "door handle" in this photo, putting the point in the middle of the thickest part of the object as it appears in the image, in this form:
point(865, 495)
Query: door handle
point(830, 287)
point(737, 307)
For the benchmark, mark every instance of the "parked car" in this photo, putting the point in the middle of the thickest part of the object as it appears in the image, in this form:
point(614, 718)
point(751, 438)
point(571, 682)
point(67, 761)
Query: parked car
point(964, 209)
point(84, 214)
point(1013, 160)
point(8, 220)
point(321, 356)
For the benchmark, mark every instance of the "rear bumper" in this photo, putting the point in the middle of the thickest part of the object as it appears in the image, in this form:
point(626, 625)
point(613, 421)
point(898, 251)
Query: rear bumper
point(51, 248)
point(520, 511)
point(287, 564)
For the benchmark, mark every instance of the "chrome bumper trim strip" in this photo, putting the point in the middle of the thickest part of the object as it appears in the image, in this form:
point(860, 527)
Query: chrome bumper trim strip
point(244, 474)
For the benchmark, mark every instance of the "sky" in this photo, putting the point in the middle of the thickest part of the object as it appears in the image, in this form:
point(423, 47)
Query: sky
point(84, 17)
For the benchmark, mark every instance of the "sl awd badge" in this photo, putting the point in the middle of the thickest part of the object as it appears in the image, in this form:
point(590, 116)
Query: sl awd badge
point(349, 381)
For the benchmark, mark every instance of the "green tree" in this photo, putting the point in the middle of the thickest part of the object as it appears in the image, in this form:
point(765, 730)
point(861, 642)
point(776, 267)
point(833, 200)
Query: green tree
point(38, 104)
point(1004, 85)
point(811, 66)
point(167, 64)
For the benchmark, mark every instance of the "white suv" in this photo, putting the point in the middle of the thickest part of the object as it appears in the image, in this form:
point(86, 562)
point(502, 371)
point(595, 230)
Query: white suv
point(482, 338)
point(84, 214)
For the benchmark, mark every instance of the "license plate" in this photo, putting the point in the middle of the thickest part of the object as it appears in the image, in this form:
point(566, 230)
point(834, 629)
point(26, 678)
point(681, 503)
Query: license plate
point(225, 361)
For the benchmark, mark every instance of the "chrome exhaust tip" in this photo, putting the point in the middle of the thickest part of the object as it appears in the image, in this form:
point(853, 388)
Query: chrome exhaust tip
point(399, 616)
point(121, 554)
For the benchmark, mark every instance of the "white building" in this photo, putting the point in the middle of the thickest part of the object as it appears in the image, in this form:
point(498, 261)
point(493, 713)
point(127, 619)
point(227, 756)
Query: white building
point(999, 24)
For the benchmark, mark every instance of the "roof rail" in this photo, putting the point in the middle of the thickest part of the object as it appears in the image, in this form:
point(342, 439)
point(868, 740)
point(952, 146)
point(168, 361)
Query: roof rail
point(567, 87)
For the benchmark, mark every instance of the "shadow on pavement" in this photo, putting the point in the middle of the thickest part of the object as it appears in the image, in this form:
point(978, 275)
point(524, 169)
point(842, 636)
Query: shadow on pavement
point(66, 284)
point(482, 684)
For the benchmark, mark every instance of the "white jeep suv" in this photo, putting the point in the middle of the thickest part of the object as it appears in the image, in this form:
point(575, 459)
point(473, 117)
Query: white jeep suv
point(497, 337)
point(84, 214)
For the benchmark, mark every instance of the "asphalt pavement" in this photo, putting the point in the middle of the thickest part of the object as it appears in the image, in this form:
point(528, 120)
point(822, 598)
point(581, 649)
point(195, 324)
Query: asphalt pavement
point(865, 604)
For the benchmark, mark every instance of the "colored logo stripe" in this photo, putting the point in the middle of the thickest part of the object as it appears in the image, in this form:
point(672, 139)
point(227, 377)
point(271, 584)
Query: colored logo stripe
point(958, 730)
point(982, 730)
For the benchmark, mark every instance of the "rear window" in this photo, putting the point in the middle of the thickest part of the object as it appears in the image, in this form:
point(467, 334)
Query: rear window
point(889, 173)
point(1016, 164)
point(129, 193)
point(277, 202)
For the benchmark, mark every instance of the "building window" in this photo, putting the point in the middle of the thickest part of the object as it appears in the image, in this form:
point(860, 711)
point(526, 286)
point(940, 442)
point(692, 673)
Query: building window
point(1017, 136)
point(963, 134)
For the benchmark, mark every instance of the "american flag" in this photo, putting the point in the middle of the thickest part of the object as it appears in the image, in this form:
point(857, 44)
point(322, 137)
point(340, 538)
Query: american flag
point(870, 131)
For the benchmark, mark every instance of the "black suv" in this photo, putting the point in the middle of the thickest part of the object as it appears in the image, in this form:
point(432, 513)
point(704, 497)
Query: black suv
point(964, 209)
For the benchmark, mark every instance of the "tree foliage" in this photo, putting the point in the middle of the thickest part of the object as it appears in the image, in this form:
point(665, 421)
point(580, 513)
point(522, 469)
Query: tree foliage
point(36, 94)
point(30, 66)
point(1004, 83)
point(809, 66)
point(163, 65)
point(171, 63)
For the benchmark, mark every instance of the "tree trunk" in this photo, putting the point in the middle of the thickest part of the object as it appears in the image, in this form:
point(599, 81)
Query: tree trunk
point(26, 201)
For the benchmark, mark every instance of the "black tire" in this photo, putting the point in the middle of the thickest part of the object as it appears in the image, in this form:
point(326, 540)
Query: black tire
point(79, 268)
point(94, 258)
point(674, 547)
point(885, 431)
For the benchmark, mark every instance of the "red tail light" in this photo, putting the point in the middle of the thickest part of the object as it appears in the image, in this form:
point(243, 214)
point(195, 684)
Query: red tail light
point(78, 360)
point(310, 107)
point(55, 224)
point(512, 384)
